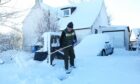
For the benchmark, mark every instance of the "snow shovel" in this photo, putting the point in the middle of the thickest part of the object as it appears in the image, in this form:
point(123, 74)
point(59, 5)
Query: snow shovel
point(59, 50)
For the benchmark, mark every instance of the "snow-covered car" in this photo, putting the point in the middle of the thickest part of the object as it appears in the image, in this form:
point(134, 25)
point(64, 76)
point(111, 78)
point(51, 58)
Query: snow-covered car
point(107, 50)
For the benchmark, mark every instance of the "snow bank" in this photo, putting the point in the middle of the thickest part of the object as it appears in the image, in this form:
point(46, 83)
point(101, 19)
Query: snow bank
point(91, 45)
point(7, 56)
point(24, 70)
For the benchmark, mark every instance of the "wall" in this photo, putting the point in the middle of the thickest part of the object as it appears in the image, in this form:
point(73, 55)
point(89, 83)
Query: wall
point(119, 29)
point(102, 19)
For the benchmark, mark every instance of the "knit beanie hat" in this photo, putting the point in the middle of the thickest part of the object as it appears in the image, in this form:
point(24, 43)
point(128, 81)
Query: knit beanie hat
point(70, 25)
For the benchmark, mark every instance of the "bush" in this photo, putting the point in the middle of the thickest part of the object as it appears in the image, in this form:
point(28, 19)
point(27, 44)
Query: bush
point(10, 41)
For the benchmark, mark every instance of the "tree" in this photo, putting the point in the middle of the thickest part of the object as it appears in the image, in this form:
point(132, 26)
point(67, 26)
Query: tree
point(48, 23)
point(8, 18)
point(10, 41)
point(2, 2)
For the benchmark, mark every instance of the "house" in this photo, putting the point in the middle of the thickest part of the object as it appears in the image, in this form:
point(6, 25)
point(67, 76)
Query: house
point(119, 35)
point(87, 16)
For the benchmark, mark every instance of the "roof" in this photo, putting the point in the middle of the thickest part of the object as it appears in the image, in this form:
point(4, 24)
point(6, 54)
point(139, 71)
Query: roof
point(84, 15)
point(115, 27)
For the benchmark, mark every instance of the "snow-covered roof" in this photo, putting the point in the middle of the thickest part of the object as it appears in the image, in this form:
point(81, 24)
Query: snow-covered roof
point(116, 27)
point(84, 16)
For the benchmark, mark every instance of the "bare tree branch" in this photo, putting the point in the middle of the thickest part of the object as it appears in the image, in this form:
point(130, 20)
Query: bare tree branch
point(8, 17)
point(47, 23)
point(2, 2)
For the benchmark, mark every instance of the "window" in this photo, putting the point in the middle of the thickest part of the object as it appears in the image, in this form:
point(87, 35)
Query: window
point(67, 12)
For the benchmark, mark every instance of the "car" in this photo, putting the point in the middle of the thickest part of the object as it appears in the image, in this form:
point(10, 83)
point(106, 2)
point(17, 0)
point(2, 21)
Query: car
point(107, 50)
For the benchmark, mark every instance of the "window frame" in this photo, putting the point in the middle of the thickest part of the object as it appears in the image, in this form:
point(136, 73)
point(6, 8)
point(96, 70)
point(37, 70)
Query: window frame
point(66, 12)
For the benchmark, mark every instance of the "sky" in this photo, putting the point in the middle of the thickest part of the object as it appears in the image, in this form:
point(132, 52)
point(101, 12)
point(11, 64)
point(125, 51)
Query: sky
point(122, 12)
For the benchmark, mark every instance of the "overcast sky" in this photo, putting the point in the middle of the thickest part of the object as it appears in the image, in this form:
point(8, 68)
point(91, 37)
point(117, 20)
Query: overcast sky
point(123, 12)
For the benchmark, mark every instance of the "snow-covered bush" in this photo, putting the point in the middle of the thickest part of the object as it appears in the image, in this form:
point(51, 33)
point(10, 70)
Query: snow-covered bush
point(48, 22)
point(10, 41)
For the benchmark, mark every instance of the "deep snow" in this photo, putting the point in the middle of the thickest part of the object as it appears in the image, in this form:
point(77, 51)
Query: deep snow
point(122, 67)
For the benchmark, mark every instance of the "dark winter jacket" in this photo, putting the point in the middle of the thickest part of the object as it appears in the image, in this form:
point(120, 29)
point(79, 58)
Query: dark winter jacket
point(68, 38)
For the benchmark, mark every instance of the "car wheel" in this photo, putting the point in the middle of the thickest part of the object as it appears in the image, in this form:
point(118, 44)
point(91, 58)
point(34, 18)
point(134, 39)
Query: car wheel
point(104, 53)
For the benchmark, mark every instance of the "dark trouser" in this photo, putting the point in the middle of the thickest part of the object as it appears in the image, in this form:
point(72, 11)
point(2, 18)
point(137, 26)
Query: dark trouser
point(69, 56)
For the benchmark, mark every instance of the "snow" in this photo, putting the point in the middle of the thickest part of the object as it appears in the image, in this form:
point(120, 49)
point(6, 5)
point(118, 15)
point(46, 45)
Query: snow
point(56, 3)
point(30, 26)
point(46, 37)
point(84, 15)
point(20, 4)
point(19, 9)
point(33, 21)
point(93, 42)
point(5, 30)
point(122, 67)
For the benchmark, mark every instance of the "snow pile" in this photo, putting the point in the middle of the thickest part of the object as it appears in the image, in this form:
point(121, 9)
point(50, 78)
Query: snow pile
point(24, 70)
point(7, 56)
point(91, 45)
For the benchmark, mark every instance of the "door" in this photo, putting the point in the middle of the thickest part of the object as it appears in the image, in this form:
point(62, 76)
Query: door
point(117, 38)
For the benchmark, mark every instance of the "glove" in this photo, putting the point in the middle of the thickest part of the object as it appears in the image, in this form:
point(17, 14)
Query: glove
point(74, 42)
